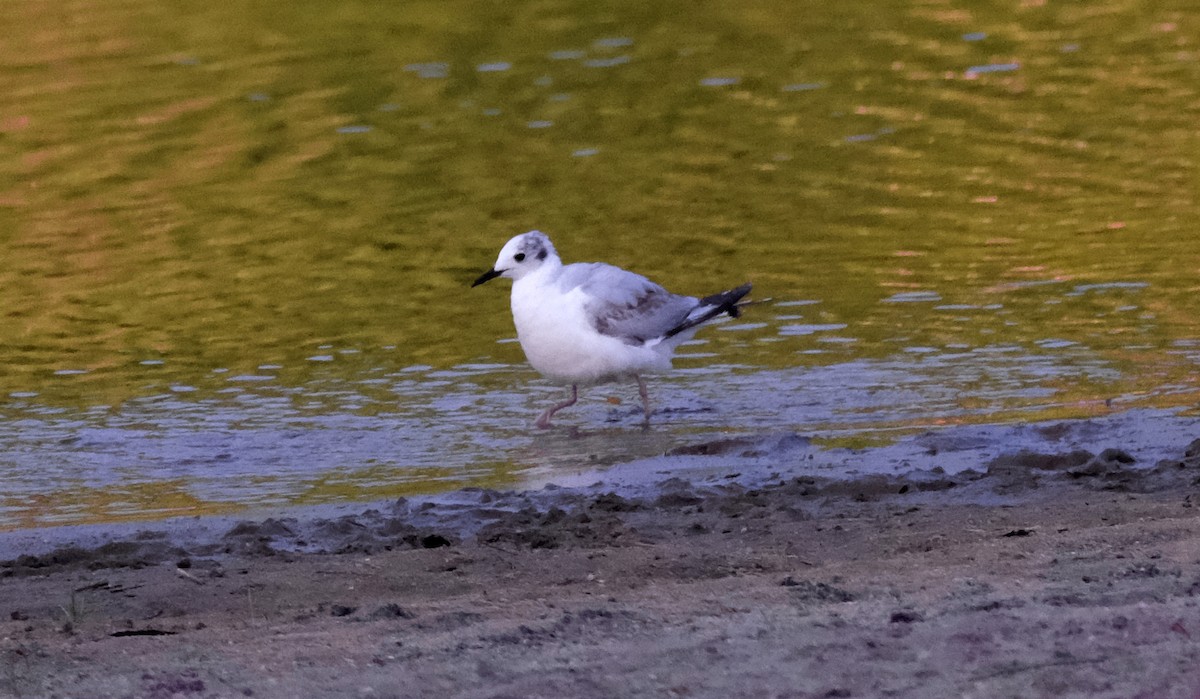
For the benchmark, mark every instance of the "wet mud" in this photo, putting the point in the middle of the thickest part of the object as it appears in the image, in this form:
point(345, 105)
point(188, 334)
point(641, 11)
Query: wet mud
point(1040, 571)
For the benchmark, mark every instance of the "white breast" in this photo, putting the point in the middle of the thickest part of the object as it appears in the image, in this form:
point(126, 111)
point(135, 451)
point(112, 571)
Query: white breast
point(561, 344)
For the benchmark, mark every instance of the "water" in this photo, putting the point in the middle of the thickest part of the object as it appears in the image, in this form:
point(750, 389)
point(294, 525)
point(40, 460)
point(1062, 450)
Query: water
point(237, 239)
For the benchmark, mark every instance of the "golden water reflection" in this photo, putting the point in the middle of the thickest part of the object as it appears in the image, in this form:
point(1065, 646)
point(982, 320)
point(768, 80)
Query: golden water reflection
point(271, 213)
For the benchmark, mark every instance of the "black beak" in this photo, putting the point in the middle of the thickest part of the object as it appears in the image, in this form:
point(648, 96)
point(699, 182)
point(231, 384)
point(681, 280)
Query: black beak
point(486, 276)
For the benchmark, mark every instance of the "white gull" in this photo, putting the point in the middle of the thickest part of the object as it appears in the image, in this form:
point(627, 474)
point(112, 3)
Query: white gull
point(590, 323)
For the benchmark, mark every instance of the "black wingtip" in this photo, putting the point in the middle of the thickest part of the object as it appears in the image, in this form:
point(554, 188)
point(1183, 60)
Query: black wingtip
point(724, 302)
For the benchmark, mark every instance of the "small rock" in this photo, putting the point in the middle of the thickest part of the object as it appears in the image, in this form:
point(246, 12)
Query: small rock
point(1117, 455)
point(392, 611)
point(906, 616)
point(434, 541)
point(1019, 532)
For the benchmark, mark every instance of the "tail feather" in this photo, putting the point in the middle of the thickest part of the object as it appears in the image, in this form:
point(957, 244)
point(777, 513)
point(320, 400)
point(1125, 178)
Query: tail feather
point(710, 307)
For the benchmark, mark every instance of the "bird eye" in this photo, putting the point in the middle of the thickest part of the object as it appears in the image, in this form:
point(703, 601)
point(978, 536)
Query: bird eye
point(519, 256)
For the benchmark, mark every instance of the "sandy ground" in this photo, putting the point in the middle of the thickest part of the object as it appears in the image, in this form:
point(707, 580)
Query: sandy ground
point(1070, 574)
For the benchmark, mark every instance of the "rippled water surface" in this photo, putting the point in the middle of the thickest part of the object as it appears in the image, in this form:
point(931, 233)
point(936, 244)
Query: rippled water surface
point(236, 238)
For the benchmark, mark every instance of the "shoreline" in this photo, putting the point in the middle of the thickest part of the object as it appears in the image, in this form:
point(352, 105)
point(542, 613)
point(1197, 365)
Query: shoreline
point(1058, 572)
point(1147, 436)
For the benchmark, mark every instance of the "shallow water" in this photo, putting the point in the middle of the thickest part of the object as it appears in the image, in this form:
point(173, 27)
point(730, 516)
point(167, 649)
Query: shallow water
point(237, 239)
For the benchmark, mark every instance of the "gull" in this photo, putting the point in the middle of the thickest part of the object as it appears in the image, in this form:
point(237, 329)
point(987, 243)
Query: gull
point(589, 323)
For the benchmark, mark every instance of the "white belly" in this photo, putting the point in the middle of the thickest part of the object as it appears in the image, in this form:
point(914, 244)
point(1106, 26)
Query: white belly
point(561, 344)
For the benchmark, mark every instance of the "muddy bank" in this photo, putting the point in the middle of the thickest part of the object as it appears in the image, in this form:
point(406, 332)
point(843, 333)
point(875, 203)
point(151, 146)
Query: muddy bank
point(726, 477)
point(1048, 572)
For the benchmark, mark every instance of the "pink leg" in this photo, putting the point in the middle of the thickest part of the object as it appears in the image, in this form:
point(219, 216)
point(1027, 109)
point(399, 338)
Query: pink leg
point(645, 397)
point(543, 420)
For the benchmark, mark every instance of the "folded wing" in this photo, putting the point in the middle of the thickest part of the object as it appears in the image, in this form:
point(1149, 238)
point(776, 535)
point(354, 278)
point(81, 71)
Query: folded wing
point(625, 305)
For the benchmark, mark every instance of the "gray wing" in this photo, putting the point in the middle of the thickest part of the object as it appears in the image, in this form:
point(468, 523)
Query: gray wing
point(625, 305)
